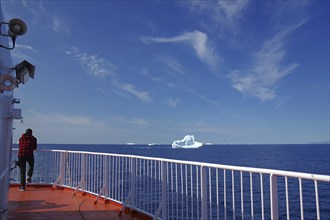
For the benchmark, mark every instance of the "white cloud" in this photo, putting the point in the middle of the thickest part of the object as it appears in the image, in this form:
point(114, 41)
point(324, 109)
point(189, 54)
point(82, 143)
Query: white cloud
point(56, 127)
point(172, 102)
point(65, 120)
point(26, 47)
point(281, 102)
point(231, 9)
point(93, 64)
point(226, 15)
point(45, 19)
point(60, 25)
point(129, 88)
point(102, 68)
point(196, 39)
point(208, 100)
point(25, 52)
point(173, 64)
point(267, 70)
point(146, 73)
point(176, 66)
point(139, 122)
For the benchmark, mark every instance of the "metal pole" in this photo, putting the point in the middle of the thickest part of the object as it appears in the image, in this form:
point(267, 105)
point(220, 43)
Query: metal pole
point(6, 125)
point(204, 192)
point(5, 149)
point(273, 197)
point(164, 192)
point(133, 182)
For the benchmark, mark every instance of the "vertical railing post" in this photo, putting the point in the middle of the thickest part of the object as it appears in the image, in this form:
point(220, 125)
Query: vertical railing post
point(83, 172)
point(242, 195)
point(131, 198)
point(301, 200)
point(224, 195)
point(63, 156)
point(105, 187)
point(273, 197)
point(204, 192)
point(233, 192)
point(262, 197)
point(60, 178)
point(133, 182)
point(251, 196)
point(164, 185)
point(106, 176)
point(317, 200)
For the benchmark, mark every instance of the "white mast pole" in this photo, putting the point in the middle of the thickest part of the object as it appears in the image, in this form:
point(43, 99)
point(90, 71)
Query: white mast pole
point(6, 123)
point(5, 151)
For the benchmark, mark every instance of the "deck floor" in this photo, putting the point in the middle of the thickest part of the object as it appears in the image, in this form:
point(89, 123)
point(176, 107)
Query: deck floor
point(40, 202)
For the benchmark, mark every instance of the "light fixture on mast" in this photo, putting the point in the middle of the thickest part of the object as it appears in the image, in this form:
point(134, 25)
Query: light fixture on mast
point(23, 71)
point(16, 27)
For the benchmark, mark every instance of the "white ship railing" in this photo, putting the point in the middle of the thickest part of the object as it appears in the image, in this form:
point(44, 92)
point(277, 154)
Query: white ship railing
point(174, 189)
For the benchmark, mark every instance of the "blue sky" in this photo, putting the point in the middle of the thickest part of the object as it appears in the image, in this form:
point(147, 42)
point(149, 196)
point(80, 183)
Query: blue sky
point(112, 72)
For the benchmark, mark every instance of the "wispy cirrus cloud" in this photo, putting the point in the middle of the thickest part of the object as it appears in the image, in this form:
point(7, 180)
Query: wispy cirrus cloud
point(26, 47)
point(173, 64)
point(102, 69)
point(60, 25)
point(268, 68)
point(197, 40)
point(25, 52)
point(225, 15)
point(139, 122)
point(63, 119)
point(146, 73)
point(93, 64)
point(131, 89)
point(59, 127)
point(172, 102)
point(269, 64)
point(281, 102)
point(45, 19)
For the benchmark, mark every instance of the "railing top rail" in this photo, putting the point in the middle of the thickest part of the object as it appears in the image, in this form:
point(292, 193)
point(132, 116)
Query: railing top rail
point(318, 177)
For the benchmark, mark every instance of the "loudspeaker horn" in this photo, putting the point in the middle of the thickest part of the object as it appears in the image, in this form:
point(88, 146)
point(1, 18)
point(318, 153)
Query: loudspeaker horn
point(16, 27)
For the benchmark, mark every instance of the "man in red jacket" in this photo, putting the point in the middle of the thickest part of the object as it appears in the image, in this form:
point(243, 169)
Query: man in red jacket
point(27, 143)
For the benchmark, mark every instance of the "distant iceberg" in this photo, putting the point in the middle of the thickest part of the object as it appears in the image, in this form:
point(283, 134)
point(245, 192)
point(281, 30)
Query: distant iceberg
point(187, 142)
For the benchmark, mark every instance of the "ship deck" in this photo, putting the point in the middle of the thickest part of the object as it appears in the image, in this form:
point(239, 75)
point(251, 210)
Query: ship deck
point(41, 202)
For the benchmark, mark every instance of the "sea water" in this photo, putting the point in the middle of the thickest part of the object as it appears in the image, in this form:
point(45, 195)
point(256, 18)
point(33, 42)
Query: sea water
point(307, 158)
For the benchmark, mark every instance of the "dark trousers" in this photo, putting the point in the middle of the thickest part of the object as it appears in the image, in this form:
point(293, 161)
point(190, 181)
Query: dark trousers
point(22, 165)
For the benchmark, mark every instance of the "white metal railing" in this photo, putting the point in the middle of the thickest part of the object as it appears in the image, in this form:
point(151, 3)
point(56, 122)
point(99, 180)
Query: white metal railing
point(174, 189)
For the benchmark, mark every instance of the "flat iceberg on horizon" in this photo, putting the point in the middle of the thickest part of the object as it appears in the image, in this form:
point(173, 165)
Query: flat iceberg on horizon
point(187, 142)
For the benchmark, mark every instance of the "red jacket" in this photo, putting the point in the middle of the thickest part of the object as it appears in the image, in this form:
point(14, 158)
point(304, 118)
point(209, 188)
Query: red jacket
point(27, 143)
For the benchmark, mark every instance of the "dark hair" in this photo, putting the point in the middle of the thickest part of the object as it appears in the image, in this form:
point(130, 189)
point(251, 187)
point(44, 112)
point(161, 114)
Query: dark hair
point(28, 131)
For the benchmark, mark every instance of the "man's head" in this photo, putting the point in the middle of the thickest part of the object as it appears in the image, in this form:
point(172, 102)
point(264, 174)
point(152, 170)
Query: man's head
point(28, 131)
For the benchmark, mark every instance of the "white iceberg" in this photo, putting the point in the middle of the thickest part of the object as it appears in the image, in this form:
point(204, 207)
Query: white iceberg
point(187, 142)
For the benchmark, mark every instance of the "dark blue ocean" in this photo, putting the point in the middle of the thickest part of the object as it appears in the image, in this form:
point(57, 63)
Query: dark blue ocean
point(307, 158)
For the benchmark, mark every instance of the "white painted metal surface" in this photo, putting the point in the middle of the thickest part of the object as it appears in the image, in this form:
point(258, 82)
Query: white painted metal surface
point(6, 123)
point(173, 189)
